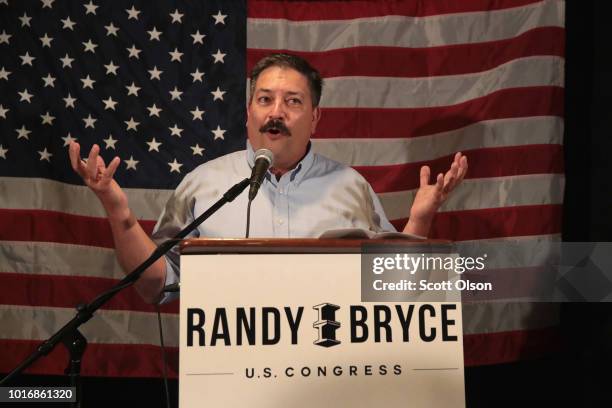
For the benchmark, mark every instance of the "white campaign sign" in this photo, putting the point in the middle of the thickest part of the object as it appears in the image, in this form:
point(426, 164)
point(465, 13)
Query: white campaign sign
point(368, 354)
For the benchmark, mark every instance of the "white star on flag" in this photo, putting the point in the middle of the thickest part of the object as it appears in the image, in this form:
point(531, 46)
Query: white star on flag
point(197, 75)
point(66, 61)
point(90, 46)
point(45, 155)
point(90, 8)
point(133, 13)
point(176, 16)
point(133, 52)
point(154, 145)
point(154, 34)
point(46, 41)
point(4, 74)
point(175, 131)
point(25, 96)
point(69, 100)
point(68, 139)
point(111, 68)
point(197, 150)
point(110, 142)
point(218, 132)
point(155, 73)
point(25, 20)
point(47, 119)
point(109, 103)
point(87, 82)
point(23, 133)
point(176, 55)
point(111, 29)
point(131, 124)
point(26, 59)
point(219, 56)
point(49, 81)
point(217, 94)
point(175, 166)
point(219, 18)
point(154, 110)
point(198, 38)
point(133, 89)
point(90, 121)
point(197, 113)
point(68, 24)
point(131, 163)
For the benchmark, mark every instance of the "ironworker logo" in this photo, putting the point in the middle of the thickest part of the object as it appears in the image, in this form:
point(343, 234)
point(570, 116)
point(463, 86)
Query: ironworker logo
point(326, 325)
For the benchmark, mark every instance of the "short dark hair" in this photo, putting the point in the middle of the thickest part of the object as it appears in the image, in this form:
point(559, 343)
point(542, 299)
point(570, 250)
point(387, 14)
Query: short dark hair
point(315, 82)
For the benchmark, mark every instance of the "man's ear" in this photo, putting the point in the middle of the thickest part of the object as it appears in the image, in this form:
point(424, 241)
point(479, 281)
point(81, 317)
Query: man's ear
point(316, 115)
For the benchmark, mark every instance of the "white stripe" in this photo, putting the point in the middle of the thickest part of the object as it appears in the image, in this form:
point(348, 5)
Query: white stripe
point(107, 326)
point(479, 318)
point(389, 92)
point(485, 134)
point(398, 31)
point(471, 194)
point(66, 260)
point(44, 194)
point(49, 258)
point(494, 192)
point(120, 327)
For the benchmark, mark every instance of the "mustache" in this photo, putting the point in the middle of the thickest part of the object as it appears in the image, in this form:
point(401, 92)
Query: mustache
point(275, 124)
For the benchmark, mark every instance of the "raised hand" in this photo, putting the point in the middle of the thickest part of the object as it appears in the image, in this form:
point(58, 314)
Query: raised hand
point(430, 197)
point(98, 177)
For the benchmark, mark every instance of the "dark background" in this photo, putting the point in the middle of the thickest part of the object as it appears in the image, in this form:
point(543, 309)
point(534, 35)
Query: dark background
point(579, 375)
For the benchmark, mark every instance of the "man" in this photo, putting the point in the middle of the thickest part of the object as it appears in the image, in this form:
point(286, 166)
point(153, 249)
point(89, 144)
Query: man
point(303, 195)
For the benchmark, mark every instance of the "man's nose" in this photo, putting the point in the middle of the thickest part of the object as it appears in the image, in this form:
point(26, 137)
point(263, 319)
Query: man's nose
point(277, 110)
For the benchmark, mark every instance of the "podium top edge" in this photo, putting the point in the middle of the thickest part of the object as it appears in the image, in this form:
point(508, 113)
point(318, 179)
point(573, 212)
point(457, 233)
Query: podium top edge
point(301, 245)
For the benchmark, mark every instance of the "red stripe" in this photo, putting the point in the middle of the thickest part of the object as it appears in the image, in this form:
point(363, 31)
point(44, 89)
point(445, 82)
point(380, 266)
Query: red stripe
point(428, 62)
point(54, 226)
point(110, 360)
point(413, 122)
point(129, 360)
point(344, 10)
point(483, 163)
point(494, 222)
point(69, 291)
point(507, 347)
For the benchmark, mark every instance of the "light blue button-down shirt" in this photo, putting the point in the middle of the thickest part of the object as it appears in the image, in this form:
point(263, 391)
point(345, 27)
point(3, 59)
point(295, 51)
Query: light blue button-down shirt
point(319, 194)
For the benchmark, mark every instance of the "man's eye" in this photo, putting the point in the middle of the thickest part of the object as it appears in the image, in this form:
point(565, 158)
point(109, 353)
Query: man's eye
point(263, 99)
point(294, 101)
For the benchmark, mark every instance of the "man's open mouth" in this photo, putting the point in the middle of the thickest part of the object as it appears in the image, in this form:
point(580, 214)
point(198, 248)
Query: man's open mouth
point(275, 127)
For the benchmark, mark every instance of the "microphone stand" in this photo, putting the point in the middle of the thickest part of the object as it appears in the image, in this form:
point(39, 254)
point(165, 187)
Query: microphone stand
point(69, 334)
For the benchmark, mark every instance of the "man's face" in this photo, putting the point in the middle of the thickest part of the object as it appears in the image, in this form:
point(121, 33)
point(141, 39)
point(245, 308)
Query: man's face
point(280, 115)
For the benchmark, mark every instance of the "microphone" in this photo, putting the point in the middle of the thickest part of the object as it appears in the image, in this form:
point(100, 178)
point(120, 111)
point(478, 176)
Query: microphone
point(175, 287)
point(264, 159)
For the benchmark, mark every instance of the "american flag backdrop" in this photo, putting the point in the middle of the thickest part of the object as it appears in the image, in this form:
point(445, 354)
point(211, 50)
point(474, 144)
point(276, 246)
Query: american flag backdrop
point(162, 85)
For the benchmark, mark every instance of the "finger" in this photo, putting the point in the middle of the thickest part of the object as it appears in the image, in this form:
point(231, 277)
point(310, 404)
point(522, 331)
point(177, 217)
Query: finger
point(112, 167)
point(424, 176)
point(440, 182)
point(450, 177)
point(92, 161)
point(73, 153)
point(463, 167)
point(457, 158)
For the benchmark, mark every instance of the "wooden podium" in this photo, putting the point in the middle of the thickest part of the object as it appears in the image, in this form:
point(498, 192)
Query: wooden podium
point(281, 323)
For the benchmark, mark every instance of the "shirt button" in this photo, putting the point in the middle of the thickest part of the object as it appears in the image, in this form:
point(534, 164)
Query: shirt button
point(280, 221)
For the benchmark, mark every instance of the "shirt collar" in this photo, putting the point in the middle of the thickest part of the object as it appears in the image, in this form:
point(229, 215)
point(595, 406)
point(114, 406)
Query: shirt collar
point(297, 174)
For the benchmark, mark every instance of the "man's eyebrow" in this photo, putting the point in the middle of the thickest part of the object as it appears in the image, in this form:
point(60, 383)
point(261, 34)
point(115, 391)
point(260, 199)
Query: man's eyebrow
point(288, 92)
